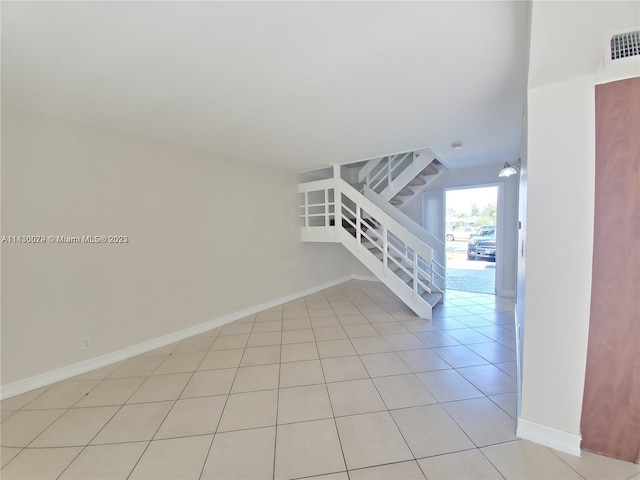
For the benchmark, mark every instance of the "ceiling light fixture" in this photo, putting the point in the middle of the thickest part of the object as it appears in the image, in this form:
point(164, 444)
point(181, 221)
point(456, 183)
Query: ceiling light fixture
point(509, 170)
point(456, 145)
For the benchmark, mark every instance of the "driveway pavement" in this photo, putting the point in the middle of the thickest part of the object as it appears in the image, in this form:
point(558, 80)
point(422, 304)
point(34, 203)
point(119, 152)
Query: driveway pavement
point(468, 275)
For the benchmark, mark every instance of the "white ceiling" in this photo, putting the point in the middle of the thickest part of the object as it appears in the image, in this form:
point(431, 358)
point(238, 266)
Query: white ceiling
point(570, 39)
point(295, 84)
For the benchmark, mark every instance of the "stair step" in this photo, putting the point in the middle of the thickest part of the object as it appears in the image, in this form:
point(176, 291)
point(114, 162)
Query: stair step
point(429, 170)
point(405, 277)
point(432, 298)
point(365, 228)
point(417, 181)
point(394, 201)
point(371, 236)
point(398, 269)
point(371, 247)
point(428, 297)
point(408, 279)
point(404, 192)
point(374, 223)
point(380, 254)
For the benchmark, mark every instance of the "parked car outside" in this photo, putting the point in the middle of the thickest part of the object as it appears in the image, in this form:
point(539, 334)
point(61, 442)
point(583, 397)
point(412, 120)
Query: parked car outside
point(483, 244)
point(462, 233)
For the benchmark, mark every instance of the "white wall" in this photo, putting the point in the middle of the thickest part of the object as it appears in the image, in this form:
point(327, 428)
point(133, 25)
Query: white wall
point(433, 214)
point(520, 262)
point(207, 237)
point(560, 195)
point(508, 210)
point(568, 42)
point(414, 208)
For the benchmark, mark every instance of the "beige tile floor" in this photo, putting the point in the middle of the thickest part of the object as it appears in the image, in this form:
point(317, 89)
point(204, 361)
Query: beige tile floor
point(343, 384)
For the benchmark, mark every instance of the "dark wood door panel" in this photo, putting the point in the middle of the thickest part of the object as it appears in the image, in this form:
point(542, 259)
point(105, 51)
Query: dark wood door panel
point(611, 406)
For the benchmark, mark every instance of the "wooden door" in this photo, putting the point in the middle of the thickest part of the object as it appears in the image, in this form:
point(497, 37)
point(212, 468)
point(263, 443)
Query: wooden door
point(611, 406)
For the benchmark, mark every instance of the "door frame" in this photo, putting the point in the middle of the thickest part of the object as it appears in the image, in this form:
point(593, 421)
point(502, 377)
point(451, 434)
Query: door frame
point(497, 284)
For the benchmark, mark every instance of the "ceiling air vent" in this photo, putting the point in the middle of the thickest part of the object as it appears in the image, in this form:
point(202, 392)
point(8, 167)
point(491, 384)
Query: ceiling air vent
point(625, 45)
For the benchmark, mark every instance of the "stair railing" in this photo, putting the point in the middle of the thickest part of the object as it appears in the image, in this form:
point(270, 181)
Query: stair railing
point(369, 166)
point(318, 209)
point(394, 259)
point(383, 171)
point(333, 211)
point(401, 250)
point(438, 246)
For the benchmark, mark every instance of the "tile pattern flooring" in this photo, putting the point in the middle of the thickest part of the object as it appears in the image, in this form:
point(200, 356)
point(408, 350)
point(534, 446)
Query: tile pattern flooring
point(343, 384)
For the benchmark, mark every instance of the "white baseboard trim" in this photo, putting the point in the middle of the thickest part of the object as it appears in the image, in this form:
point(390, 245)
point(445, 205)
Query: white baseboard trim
point(366, 278)
point(64, 373)
point(507, 293)
point(549, 437)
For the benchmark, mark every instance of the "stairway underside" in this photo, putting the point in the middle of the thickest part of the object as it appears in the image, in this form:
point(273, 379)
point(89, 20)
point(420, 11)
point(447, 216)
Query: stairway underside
point(417, 299)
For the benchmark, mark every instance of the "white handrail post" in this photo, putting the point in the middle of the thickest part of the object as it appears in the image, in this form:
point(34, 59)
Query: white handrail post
point(385, 250)
point(337, 199)
point(326, 210)
point(415, 275)
point(358, 228)
point(389, 172)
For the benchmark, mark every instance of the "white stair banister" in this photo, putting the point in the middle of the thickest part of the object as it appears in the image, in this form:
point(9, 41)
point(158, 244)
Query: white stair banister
point(392, 174)
point(401, 260)
point(399, 230)
point(415, 228)
point(316, 217)
point(369, 166)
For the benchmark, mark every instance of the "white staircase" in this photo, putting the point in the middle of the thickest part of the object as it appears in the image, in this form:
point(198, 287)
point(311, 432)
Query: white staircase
point(438, 246)
point(396, 178)
point(331, 210)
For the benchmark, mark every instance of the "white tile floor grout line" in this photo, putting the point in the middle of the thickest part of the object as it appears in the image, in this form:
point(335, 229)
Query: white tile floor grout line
point(362, 315)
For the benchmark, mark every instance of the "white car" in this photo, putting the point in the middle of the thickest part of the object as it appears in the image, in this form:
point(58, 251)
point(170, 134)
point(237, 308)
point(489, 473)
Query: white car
point(462, 233)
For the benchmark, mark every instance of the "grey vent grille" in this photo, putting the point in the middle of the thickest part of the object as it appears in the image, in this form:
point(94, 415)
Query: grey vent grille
point(625, 45)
